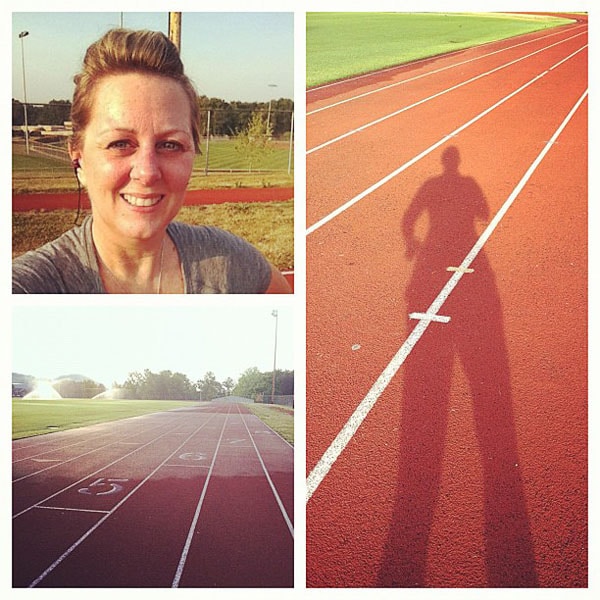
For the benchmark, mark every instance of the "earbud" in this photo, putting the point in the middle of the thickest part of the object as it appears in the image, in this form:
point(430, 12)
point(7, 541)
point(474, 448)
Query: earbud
point(75, 164)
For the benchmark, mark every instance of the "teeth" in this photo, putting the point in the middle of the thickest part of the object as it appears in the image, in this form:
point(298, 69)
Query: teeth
point(135, 201)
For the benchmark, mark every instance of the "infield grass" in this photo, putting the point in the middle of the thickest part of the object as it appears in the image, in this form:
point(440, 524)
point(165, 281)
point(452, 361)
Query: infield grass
point(340, 45)
point(35, 417)
point(278, 418)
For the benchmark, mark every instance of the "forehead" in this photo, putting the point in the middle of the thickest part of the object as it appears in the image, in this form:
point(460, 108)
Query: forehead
point(137, 99)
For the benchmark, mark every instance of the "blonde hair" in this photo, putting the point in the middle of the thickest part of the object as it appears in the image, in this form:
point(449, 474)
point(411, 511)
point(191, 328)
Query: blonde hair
point(121, 51)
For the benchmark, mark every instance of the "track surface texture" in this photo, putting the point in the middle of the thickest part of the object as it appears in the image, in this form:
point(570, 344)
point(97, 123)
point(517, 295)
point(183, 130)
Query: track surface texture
point(193, 497)
point(447, 320)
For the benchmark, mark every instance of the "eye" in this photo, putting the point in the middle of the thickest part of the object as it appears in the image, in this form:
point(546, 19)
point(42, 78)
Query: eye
point(171, 146)
point(120, 145)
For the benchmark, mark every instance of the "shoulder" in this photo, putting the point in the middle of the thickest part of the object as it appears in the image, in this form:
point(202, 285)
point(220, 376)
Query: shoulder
point(215, 260)
point(59, 267)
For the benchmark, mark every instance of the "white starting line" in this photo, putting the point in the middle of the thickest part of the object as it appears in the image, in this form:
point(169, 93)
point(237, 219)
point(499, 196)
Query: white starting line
point(342, 439)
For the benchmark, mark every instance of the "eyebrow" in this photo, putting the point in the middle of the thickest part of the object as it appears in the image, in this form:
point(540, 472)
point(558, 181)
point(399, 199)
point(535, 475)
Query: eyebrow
point(129, 130)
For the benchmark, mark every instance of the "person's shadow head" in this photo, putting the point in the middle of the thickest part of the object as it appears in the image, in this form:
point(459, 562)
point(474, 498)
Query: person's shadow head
point(451, 159)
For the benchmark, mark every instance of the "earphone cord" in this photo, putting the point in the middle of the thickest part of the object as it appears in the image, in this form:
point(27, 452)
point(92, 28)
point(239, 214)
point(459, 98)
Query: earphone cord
point(78, 197)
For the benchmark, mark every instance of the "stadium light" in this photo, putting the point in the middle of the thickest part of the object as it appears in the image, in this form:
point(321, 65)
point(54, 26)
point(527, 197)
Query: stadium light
point(274, 314)
point(23, 35)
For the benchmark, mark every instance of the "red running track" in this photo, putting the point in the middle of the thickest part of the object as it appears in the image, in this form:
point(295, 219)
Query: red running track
point(193, 497)
point(449, 449)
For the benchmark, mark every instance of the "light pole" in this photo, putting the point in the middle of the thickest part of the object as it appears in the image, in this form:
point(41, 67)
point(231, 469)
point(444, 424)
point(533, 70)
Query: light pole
point(271, 85)
point(274, 313)
point(22, 35)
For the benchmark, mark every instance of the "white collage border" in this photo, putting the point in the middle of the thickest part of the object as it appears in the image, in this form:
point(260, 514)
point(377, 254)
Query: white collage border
point(298, 300)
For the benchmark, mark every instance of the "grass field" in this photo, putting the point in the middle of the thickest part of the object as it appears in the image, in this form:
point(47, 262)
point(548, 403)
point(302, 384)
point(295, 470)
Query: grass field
point(36, 417)
point(339, 45)
point(278, 418)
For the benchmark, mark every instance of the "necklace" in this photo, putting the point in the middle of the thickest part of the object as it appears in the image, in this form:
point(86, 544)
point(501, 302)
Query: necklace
point(116, 280)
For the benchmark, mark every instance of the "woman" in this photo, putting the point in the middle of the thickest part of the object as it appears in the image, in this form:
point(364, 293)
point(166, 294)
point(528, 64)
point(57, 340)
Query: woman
point(135, 118)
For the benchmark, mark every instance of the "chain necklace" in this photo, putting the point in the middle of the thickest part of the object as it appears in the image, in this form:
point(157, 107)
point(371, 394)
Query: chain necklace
point(116, 280)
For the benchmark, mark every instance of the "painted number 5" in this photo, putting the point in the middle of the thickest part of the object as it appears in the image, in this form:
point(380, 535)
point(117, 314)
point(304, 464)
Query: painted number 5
point(103, 487)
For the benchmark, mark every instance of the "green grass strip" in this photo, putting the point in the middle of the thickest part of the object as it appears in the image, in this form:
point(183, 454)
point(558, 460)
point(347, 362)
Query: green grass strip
point(35, 417)
point(340, 45)
point(278, 418)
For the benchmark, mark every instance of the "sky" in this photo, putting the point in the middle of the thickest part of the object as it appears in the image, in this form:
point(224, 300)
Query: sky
point(106, 343)
point(241, 56)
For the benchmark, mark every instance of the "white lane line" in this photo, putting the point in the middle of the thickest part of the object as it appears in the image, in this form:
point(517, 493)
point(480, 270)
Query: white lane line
point(89, 532)
point(434, 72)
point(342, 439)
point(85, 477)
point(432, 97)
point(188, 542)
point(428, 58)
point(273, 489)
point(66, 508)
point(427, 151)
point(49, 449)
point(81, 442)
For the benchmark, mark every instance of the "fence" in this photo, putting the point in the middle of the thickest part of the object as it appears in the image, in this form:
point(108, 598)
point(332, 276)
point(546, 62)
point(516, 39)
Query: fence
point(218, 153)
point(279, 400)
point(57, 151)
point(220, 129)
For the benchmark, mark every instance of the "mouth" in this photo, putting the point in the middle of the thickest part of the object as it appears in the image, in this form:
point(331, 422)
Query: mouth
point(140, 201)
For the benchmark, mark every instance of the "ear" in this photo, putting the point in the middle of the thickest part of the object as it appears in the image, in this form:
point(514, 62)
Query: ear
point(77, 165)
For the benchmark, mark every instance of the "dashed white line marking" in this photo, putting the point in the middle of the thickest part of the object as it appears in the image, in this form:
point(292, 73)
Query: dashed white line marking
point(429, 317)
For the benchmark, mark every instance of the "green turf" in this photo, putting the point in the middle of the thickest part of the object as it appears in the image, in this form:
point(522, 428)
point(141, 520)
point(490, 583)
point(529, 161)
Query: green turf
point(278, 418)
point(35, 417)
point(340, 45)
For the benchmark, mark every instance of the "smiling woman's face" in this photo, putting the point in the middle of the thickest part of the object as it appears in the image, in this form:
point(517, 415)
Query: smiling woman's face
point(137, 155)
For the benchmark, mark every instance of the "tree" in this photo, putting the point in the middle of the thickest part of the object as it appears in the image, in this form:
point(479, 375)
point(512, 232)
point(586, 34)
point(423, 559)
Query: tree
point(252, 382)
point(78, 388)
point(159, 386)
point(284, 383)
point(209, 388)
point(254, 141)
point(228, 386)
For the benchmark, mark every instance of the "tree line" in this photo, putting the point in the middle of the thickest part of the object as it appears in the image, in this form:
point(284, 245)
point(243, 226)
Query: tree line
point(147, 385)
point(226, 118)
point(168, 385)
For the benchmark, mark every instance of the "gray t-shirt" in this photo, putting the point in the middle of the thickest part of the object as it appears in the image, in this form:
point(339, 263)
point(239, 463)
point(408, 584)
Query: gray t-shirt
point(213, 261)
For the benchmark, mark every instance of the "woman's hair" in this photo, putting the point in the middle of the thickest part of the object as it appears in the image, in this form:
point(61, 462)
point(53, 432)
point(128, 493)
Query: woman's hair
point(124, 51)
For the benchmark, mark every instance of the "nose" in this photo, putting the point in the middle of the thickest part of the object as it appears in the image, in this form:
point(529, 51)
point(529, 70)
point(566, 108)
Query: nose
point(146, 166)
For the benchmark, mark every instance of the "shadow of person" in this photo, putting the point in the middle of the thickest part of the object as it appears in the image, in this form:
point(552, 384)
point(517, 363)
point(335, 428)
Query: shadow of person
point(453, 203)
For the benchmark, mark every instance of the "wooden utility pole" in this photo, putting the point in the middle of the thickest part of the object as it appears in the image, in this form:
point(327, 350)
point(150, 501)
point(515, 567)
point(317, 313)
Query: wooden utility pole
point(175, 29)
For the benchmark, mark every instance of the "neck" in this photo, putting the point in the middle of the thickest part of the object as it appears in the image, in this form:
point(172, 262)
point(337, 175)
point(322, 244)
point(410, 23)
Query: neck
point(135, 269)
